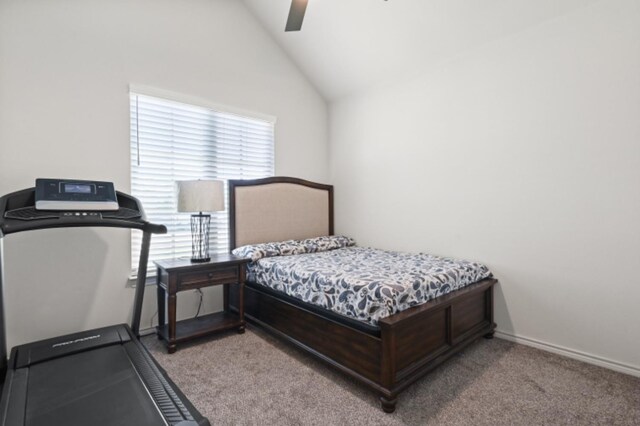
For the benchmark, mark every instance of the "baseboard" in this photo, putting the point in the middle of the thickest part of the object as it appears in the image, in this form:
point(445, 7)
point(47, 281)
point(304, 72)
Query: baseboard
point(147, 331)
point(570, 353)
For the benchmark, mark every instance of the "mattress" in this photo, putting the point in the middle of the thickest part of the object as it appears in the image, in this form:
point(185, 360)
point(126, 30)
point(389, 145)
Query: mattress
point(365, 284)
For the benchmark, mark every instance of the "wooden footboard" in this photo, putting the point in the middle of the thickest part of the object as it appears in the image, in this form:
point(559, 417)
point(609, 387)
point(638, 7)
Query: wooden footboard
point(411, 343)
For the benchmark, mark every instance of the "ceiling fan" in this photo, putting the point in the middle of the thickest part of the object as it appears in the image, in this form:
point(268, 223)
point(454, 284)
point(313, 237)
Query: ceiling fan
point(296, 15)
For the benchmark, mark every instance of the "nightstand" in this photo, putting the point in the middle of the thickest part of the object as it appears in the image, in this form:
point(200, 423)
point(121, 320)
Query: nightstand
point(176, 275)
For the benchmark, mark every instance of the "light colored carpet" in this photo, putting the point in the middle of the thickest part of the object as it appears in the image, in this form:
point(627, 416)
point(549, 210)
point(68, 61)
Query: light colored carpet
point(255, 379)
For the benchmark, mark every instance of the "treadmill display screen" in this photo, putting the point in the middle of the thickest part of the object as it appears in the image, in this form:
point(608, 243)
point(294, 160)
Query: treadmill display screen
point(75, 195)
point(75, 188)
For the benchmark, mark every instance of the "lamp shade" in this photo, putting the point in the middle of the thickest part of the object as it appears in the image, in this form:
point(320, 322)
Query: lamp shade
point(200, 195)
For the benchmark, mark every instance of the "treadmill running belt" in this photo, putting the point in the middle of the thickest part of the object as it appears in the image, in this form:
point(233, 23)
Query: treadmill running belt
point(98, 386)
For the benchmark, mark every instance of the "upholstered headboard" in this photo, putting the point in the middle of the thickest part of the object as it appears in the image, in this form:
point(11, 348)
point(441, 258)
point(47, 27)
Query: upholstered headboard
point(278, 209)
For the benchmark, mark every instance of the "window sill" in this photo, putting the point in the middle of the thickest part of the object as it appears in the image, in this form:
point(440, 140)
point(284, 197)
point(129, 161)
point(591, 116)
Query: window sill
point(151, 280)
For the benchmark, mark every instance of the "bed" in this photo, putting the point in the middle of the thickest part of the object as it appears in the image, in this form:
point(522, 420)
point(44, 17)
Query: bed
point(386, 353)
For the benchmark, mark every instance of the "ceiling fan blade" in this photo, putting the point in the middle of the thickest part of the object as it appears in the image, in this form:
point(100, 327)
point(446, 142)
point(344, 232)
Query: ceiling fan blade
point(296, 15)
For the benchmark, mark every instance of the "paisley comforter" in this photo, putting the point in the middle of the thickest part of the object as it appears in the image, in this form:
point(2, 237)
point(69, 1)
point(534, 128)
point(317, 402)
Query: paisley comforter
point(365, 284)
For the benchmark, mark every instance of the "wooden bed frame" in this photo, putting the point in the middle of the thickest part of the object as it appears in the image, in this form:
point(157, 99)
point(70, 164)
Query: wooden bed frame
point(408, 345)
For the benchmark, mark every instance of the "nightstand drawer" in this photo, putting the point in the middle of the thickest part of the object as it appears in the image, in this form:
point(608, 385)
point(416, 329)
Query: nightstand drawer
point(198, 279)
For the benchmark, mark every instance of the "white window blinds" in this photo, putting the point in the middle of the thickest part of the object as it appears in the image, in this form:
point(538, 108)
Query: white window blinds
point(173, 141)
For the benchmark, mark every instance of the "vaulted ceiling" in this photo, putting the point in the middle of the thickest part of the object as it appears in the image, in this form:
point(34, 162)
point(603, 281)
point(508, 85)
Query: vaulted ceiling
point(347, 46)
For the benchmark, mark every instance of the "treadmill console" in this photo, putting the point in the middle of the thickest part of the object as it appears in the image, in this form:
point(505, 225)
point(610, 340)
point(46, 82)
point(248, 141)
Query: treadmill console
point(73, 195)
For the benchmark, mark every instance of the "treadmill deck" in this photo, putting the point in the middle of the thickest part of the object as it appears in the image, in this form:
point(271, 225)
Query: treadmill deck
point(98, 377)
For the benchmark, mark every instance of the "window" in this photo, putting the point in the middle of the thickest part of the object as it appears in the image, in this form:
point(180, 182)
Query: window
point(173, 141)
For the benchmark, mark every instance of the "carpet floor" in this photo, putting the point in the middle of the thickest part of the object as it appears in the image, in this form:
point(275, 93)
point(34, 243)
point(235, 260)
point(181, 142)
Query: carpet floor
point(255, 379)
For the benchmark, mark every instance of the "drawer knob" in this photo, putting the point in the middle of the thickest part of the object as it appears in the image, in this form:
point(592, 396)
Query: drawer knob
point(210, 274)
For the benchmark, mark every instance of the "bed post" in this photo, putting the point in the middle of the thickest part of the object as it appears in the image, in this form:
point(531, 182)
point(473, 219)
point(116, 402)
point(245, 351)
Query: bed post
point(489, 304)
point(232, 214)
point(388, 398)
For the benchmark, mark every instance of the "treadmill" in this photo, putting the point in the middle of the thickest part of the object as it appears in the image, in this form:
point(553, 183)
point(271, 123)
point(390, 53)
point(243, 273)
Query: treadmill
point(97, 377)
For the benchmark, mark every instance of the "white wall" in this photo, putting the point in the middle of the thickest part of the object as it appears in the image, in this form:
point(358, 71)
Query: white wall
point(523, 154)
point(65, 68)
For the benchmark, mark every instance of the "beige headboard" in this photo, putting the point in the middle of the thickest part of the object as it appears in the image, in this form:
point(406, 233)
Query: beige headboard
point(278, 209)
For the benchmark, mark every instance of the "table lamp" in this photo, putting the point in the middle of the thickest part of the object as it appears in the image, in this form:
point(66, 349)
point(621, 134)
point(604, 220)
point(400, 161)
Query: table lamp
point(200, 196)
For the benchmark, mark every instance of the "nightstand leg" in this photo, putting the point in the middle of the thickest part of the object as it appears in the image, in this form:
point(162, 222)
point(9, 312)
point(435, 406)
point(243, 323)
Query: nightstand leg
point(172, 323)
point(241, 300)
point(162, 295)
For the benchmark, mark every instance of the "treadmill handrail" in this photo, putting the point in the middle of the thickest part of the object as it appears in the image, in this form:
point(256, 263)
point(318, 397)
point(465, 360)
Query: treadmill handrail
point(159, 388)
point(26, 198)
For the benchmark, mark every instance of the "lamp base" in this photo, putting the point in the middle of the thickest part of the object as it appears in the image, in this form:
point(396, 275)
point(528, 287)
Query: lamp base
point(200, 238)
